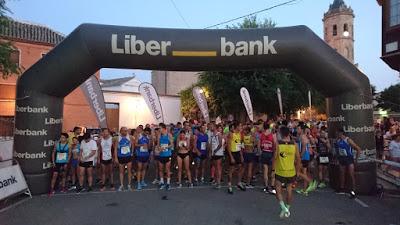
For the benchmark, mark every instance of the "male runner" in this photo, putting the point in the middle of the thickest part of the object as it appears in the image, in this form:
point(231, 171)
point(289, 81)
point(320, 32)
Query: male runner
point(235, 157)
point(60, 157)
point(267, 143)
point(323, 148)
point(123, 157)
point(142, 147)
point(165, 143)
point(200, 152)
point(105, 159)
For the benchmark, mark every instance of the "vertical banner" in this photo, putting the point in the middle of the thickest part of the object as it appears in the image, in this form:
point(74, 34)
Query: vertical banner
point(244, 93)
point(309, 103)
point(152, 100)
point(278, 92)
point(94, 95)
point(201, 101)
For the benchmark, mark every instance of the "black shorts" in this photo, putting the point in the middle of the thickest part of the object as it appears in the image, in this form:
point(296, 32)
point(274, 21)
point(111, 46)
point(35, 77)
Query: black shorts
point(346, 161)
point(217, 157)
point(124, 160)
point(305, 163)
point(201, 157)
point(164, 160)
point(285, 180)
point(248, 157)
point(266, 158)
point(183, 155)
point(59, 167)
point(238, 159)
point(86, 164)
point(143, 159)
point(106, 162)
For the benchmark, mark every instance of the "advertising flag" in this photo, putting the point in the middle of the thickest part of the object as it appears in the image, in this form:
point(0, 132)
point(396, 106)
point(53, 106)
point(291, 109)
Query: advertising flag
point(278, 92)
point(152, 100)
point(244, 93)
point(201, 101)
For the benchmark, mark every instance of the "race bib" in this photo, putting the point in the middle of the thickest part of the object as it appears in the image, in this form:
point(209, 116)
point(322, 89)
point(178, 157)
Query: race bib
point(342, 152)
point(142, 149)
point(165, 147)
point(85, 154)
point(203, 146)
point(125, 150)
point(61, 156)
point(106, 155)
point(324, 159)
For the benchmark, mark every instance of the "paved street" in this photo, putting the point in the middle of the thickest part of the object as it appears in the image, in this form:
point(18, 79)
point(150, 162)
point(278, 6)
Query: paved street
point(200, 205)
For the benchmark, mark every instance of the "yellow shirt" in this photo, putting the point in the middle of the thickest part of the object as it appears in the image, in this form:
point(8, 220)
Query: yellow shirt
point(284, 164)
point(236, 142)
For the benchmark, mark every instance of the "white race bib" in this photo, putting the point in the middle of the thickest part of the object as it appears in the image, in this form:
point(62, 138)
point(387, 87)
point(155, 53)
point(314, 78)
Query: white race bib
point(164, 147)
point(342, 152)
point(125, 150)
point(203, 146)
point(324, 159)
point(106, 155)
point(61, 156)
point(142, 149)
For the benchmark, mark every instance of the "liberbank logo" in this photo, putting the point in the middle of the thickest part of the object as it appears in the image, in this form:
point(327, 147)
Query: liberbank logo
point(132, 45)
point(28, 132)
point(28, 109)
point(7, 182)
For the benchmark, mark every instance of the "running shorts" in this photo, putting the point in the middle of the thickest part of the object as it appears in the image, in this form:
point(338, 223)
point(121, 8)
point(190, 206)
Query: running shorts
point(143, 159)
point(248, 157)
point(106, 162)
point(124, 160)
point(238, 160)
point(164, 160)
point(346, 161)
point(266, 158)
point(86, 164)
point(305, 163)
point(285, 180)
point(59, 167)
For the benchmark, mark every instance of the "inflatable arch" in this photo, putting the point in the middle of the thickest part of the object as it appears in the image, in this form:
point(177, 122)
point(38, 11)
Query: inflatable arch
point(89, 47)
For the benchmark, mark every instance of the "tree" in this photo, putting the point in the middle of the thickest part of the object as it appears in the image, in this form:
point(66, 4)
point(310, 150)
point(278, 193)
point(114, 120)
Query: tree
point(223, 87)
point(7, 66)
point(389, 99)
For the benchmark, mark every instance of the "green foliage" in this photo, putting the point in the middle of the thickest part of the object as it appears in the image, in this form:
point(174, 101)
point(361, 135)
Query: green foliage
point(389, 98)
point(7, 66)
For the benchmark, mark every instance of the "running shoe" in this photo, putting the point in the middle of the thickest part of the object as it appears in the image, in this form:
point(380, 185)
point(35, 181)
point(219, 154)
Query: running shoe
point(302, 192)
point(162, 186)
point(139, 187)
point(340, 191)
point(314, 185)
point(284, 213)
point(167, 187)
point(79, 190)
point(241, 186)
point(272, 191)
point(121, 188)
point(72, 188)
point(143, 183)
point(218, 186)
point(230, 190)
point(179, 185)
point(129, 188)
point(287, 214)
point(249, 186)
point(63, 190)
point(265, 189)
point(112, 188)
point(212, 180)
point(51, 193)
point(321, 185)
point(103, 188)
point(89, 189)
point(190, 185)
point(352, 194)
point(202, 180)
point(155, 181)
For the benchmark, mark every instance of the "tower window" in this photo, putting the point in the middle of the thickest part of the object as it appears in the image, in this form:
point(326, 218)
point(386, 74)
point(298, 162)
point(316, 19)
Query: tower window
point(334, 30)
point(346, 32)
point(394, 13)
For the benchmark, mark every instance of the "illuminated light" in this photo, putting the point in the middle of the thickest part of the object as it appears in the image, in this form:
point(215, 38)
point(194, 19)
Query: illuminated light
point(346, 33)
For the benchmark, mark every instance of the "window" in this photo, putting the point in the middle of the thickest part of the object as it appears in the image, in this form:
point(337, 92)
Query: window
point(346, 32)
point(15, 57)
point(334, 30)
point(394, 13)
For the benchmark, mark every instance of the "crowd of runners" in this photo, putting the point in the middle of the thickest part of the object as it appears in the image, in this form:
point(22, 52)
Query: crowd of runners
point(281, 154)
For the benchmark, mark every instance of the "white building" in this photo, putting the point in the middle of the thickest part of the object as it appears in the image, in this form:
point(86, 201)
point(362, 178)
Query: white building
point(126, 107)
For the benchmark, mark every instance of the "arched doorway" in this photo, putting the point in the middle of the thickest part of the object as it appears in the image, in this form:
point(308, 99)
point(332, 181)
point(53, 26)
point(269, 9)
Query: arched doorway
point(89, 47)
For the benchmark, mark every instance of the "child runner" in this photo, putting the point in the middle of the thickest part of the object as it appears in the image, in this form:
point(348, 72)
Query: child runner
point(60, 158)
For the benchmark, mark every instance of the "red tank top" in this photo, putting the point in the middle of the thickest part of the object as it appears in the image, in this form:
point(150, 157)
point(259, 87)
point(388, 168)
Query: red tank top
point(267, 142)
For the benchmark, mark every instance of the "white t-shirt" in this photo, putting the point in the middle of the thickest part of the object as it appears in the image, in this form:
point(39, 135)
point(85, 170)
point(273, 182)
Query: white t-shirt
point(106, 148)
point(394, 148)
point(87, 148)
point(215, 144)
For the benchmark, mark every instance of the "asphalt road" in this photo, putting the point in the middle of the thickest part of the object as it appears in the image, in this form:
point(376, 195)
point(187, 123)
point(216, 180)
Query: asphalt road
point(199, 206)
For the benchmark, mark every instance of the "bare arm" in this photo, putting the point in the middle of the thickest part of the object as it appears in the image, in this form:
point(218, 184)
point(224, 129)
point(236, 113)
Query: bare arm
point(356, 147)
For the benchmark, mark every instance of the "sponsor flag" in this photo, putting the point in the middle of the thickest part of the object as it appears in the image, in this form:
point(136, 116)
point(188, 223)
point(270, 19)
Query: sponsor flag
point(94, 95)
point(244, 93)
point(201, 101)
point(152, 100)
point(278, 92)
point(309, 102)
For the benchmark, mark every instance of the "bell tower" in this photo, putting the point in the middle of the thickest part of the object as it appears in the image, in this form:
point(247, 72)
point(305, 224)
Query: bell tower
point(339, 29)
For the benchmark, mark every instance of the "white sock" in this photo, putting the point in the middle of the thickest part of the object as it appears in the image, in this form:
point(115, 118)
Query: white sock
point(161, 180)
point(168, 180)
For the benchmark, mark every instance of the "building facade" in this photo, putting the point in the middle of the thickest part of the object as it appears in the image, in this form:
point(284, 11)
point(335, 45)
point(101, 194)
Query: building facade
point(31, 42)
point(339, 29)
point(391, 32)
point(173, 82)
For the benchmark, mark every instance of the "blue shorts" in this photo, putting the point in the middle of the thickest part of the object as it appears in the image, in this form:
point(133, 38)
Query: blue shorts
point(74, 163)
point(248, 157)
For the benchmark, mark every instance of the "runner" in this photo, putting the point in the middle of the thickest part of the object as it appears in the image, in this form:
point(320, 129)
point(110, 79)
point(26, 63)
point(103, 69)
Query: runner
point(165, 144)
point(267, 144)
point(248, 155)
point(235, 157)
point(156, 154)
point(123, 157)
point(75, 148)
point(142, 147)
point(323, 148)
point(346, 160)
point(200, 152)
point(217, 152)
point(183, 149)
point(304, 147)
point(105, 159)
point(286, 165)
point(87, 156)
point(60, 157)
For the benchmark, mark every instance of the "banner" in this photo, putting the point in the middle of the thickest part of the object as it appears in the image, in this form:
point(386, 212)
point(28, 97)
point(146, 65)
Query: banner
point(150, 95)
point(278, 92)
point(244, 93)
point(94, 95)
point(12, 181)
point(200, 98)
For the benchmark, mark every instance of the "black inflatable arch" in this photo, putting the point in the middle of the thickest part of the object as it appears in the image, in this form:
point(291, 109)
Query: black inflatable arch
point(89, 47)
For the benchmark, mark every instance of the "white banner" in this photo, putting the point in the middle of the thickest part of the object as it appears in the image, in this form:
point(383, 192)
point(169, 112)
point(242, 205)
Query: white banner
point(150, 95)
point(244, 93)
point(200, 98)
point(12, 181)
point(278, 92)
point(94, 95)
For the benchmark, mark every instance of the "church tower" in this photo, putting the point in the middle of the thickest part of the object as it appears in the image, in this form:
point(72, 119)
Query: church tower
point(339, 30)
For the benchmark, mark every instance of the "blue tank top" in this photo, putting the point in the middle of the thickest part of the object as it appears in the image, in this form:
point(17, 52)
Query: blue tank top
point(164, 142)
point(344, 148)
point(124, 147)
point(140, 151)
point(201, 144)
point(306, 155)
point(62, 153)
